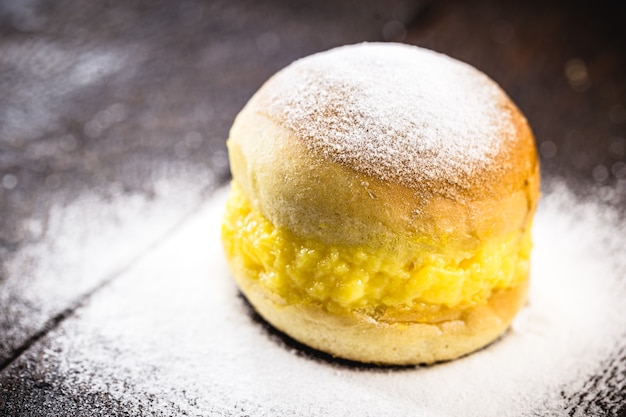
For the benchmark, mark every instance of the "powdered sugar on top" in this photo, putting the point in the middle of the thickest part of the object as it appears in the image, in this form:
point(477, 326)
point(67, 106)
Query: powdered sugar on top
point(395, 112)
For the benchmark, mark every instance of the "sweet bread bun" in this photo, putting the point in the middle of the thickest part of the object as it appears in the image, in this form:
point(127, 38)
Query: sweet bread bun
point(381, 204)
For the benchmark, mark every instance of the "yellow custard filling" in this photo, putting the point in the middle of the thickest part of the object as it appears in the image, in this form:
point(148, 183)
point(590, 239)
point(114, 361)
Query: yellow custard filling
point(345, 278)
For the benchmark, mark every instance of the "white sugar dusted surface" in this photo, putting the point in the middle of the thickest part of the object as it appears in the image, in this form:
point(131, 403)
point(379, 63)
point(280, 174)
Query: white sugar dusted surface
point(83, 242)
point(172, 337)
point(396, 112)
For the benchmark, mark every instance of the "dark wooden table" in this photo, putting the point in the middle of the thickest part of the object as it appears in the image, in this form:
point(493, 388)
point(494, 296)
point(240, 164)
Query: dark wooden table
point(113, 117)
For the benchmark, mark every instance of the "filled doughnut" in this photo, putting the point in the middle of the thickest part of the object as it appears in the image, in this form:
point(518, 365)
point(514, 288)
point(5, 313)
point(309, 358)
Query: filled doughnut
point(381, 204)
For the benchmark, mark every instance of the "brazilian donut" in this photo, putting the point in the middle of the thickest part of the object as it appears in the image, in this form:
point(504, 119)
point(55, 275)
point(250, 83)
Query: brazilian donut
point(381, 204)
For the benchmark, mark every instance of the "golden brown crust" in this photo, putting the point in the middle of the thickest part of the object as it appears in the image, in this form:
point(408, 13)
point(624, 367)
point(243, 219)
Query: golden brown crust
point(297, 189)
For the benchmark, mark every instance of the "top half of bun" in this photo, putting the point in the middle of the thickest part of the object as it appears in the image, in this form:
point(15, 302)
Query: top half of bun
point(373, 140)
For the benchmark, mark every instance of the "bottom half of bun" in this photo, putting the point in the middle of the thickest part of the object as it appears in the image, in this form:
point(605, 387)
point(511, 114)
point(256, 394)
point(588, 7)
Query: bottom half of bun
point(359, 337)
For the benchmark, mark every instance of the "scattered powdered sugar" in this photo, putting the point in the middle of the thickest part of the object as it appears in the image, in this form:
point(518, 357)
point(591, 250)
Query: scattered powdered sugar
point(171, 337)
point(396, 112)
point(83, 241)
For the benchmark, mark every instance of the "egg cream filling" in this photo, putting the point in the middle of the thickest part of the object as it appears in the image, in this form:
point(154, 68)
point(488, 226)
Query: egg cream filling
point(417, 285)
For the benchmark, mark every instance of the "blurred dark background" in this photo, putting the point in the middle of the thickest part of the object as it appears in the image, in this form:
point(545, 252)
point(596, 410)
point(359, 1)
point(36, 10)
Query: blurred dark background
point(105, 102)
